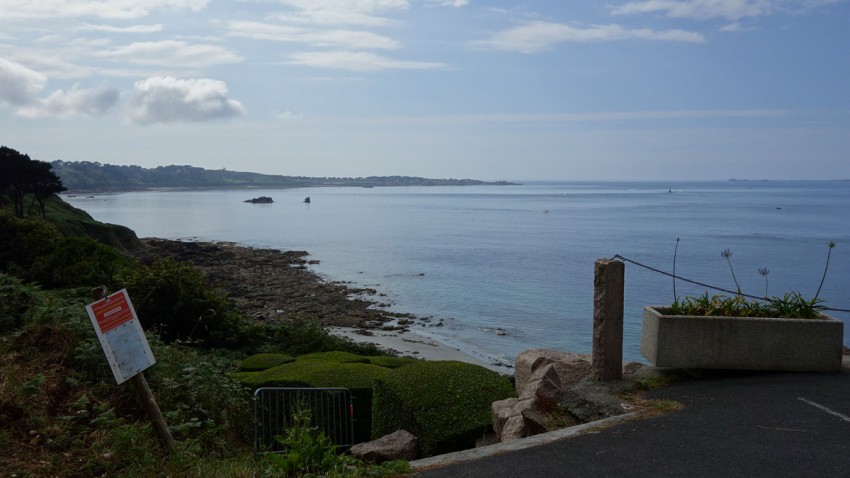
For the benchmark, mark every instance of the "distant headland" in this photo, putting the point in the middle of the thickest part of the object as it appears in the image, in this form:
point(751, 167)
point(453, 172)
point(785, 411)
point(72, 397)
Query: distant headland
point(80, 176)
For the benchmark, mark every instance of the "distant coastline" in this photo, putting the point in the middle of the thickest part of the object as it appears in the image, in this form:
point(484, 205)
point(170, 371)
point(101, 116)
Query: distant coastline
point(87, 177)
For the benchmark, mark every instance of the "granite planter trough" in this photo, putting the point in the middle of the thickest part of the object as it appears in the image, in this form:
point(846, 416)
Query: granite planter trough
point(741, 343)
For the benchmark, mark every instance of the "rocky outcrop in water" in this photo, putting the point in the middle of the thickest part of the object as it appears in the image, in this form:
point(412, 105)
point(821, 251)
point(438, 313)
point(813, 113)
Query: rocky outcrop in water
point(260, 200)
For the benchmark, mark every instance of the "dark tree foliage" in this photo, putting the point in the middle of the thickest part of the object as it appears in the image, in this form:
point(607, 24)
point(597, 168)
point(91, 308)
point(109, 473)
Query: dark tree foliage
point(20, 175)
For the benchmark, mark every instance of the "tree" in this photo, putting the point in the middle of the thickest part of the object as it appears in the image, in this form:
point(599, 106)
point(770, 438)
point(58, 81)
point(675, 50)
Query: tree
point(44, 183)
point(20, 175)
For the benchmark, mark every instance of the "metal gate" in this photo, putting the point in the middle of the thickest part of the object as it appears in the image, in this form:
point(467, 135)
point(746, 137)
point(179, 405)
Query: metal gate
point(331, 412)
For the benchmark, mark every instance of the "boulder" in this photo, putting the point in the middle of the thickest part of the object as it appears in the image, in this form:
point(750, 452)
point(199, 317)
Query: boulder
point(590, 401)
point(503, 410)
point(529, 361)
point(545, 380)
point(514, 429)
point(399, 445)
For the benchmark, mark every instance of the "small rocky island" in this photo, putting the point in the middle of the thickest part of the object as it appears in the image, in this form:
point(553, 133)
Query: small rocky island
point(260, 200)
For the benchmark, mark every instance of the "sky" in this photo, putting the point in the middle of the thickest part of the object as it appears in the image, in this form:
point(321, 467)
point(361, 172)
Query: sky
point(545, 90)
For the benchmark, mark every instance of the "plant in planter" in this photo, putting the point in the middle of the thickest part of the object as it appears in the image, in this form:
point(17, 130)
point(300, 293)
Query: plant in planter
point(780, 333)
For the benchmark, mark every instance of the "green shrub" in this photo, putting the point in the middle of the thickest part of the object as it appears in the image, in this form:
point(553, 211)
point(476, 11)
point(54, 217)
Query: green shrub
point(78, 262)
point(197, 398)
point(309, 454)
point(172, 298)
point(445, 404)
point(15, 299)
point(303, 336)
point(335, 356)
point(259, 362)
point(389, 361)
point(23, 241)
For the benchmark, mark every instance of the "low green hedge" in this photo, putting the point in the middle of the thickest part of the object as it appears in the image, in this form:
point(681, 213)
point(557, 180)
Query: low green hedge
point(260, 362)
point(392, 362)
point(334, 357)
point(311, 371)
point(445, 404)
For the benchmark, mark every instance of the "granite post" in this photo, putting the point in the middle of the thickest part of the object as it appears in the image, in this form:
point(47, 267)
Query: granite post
point(607, 356)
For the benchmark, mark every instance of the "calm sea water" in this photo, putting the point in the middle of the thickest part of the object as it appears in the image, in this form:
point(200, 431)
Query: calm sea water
point(520, 258)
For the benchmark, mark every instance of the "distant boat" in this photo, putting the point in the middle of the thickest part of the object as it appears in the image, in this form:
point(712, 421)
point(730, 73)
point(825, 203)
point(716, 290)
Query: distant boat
point(368, 187)
point(307, 199)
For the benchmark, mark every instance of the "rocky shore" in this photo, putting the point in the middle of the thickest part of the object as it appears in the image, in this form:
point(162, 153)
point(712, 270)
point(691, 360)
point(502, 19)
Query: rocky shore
point(272, 285)
point(268, 285)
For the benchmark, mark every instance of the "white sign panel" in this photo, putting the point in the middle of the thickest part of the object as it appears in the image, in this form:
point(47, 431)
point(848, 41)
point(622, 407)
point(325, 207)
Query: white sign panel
point(121, 335)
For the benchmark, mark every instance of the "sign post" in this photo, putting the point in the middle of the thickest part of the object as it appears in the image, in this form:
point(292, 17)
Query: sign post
point(127, 350)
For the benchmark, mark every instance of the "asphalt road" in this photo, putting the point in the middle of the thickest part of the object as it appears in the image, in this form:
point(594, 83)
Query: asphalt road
point(747, 425)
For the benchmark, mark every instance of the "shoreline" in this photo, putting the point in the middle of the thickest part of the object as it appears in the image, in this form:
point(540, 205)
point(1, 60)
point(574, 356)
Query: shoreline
point(270, 285)
point(412, 342)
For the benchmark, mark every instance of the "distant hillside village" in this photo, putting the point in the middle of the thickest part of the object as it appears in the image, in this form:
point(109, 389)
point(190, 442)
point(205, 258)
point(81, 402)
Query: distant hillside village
point(93, 176)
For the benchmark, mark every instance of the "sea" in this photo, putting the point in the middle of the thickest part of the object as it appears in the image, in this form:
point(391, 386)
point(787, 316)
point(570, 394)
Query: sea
point(503, 269)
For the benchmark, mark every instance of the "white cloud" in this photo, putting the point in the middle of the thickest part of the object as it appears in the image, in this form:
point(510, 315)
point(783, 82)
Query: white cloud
point(450, 3)
point(338, 12)
point(364, 6)
point(19, 84)
point(288, 116)
point(75, 102)
point(357, 61)
point(700, 9)
point(330, 17)
point(538, 36)
point(735, 27)
point(173, 53)
point(168, 99)
point(112, 29)
point(316, 38)
point(112, 9)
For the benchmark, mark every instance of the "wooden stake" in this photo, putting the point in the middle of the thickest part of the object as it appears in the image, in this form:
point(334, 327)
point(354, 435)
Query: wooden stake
point(153, 412)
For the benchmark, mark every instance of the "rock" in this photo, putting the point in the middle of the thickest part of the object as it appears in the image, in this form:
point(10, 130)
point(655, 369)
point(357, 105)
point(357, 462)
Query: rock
point(590, 400)
point(514, 429)
point(261, 282)
point(537, 422)
point(631, 368)
point(554, 392)
point(544, 383)
point(260, 200)
point(400, 445)
point(502, 411)
point(529, 361)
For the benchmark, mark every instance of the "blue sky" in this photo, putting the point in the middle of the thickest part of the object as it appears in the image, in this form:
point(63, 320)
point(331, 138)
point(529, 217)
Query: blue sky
point(620, 90)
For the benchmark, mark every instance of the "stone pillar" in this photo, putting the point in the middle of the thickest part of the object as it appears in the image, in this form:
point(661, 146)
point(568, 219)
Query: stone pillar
point(608, 284)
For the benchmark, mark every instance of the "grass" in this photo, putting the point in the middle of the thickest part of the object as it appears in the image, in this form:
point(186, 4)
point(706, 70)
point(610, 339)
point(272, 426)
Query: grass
point(61, 413)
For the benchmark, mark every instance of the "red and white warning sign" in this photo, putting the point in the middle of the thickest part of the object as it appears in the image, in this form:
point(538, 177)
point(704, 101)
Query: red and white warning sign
point(121, 336)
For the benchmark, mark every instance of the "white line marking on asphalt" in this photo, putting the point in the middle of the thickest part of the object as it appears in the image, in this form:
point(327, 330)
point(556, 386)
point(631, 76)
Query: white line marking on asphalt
point(827, 410)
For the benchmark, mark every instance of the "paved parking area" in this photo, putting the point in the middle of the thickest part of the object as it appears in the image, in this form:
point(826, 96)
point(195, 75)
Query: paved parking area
point(741, 425)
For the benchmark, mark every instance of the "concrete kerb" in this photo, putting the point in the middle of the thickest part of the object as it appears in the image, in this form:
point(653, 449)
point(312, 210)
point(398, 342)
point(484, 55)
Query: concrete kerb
point(536, 440)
